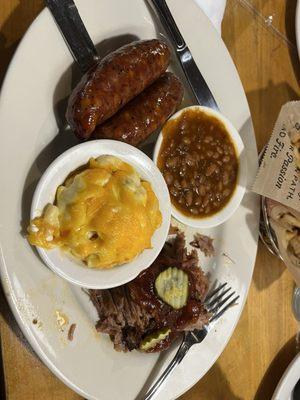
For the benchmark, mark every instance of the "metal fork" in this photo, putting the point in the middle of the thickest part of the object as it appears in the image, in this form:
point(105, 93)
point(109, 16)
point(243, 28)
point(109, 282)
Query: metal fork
point(217, 302)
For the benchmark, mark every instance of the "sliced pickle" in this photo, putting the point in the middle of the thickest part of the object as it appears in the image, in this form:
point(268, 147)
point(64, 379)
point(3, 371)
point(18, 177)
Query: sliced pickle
point(152, 340)
point(172, 287)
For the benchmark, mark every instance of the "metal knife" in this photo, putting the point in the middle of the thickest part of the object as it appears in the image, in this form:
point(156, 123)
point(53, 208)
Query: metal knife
point(74, 32)
point(195, 79)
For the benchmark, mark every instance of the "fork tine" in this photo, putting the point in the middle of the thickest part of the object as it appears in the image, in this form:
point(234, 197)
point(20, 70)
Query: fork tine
point(221, 312)
point(216, 299)
point(214, 292)
point(221, 303)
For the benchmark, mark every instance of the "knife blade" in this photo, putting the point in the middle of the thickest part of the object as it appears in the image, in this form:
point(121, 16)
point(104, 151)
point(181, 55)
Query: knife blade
point(194, 77)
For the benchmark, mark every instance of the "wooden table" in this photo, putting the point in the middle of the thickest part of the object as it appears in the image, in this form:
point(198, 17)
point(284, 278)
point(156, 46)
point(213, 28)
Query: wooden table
point(260, 37)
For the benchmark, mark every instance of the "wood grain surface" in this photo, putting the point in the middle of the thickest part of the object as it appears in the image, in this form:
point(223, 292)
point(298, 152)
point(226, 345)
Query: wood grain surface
point(260, 37)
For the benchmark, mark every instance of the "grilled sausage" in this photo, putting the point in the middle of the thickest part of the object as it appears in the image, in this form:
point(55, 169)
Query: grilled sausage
point(145, 113)
point(117, 79)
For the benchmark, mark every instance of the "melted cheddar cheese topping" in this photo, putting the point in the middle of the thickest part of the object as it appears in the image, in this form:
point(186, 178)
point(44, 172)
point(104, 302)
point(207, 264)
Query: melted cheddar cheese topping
point(104, 215)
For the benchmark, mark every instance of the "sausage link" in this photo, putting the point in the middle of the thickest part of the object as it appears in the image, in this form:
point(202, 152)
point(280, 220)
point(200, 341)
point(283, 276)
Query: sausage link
point(145, 113)
point(117, 79)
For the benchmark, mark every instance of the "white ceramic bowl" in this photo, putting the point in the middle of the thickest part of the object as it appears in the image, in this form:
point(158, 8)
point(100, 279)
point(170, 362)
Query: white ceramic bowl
point(55, 175)
point(226, 212)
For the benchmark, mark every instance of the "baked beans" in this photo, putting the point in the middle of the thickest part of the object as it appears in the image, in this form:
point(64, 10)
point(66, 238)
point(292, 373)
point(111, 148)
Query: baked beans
point(199, 163)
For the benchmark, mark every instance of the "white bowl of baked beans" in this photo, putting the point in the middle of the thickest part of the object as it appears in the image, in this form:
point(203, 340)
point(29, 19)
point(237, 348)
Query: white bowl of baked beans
point(201, 156)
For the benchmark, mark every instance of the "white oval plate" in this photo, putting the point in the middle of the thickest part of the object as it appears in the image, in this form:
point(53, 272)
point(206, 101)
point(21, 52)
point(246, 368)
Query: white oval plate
point(32, 107)
point(288, 381)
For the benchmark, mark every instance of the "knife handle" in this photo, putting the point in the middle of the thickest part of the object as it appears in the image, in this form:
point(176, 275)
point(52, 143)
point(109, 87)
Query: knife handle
point(80, 44)
point(163, 11)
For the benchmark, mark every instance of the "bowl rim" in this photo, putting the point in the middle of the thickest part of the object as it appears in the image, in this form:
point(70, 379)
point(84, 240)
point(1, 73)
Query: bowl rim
point(45, 192)
point(226, 212)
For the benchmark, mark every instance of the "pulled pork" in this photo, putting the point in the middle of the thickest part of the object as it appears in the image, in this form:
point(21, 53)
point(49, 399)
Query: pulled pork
point(203, 243)
point(131, 312)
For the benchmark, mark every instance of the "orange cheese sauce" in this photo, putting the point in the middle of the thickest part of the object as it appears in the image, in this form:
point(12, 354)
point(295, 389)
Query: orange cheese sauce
point(104, 215)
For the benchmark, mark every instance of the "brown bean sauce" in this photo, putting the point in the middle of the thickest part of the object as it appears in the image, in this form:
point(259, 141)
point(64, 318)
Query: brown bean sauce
point(199, 163)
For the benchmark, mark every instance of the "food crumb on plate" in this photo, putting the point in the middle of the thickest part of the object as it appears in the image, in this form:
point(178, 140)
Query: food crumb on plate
point(71, 332)
point(228, 258)
point(61, 319)
point(37, 323)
